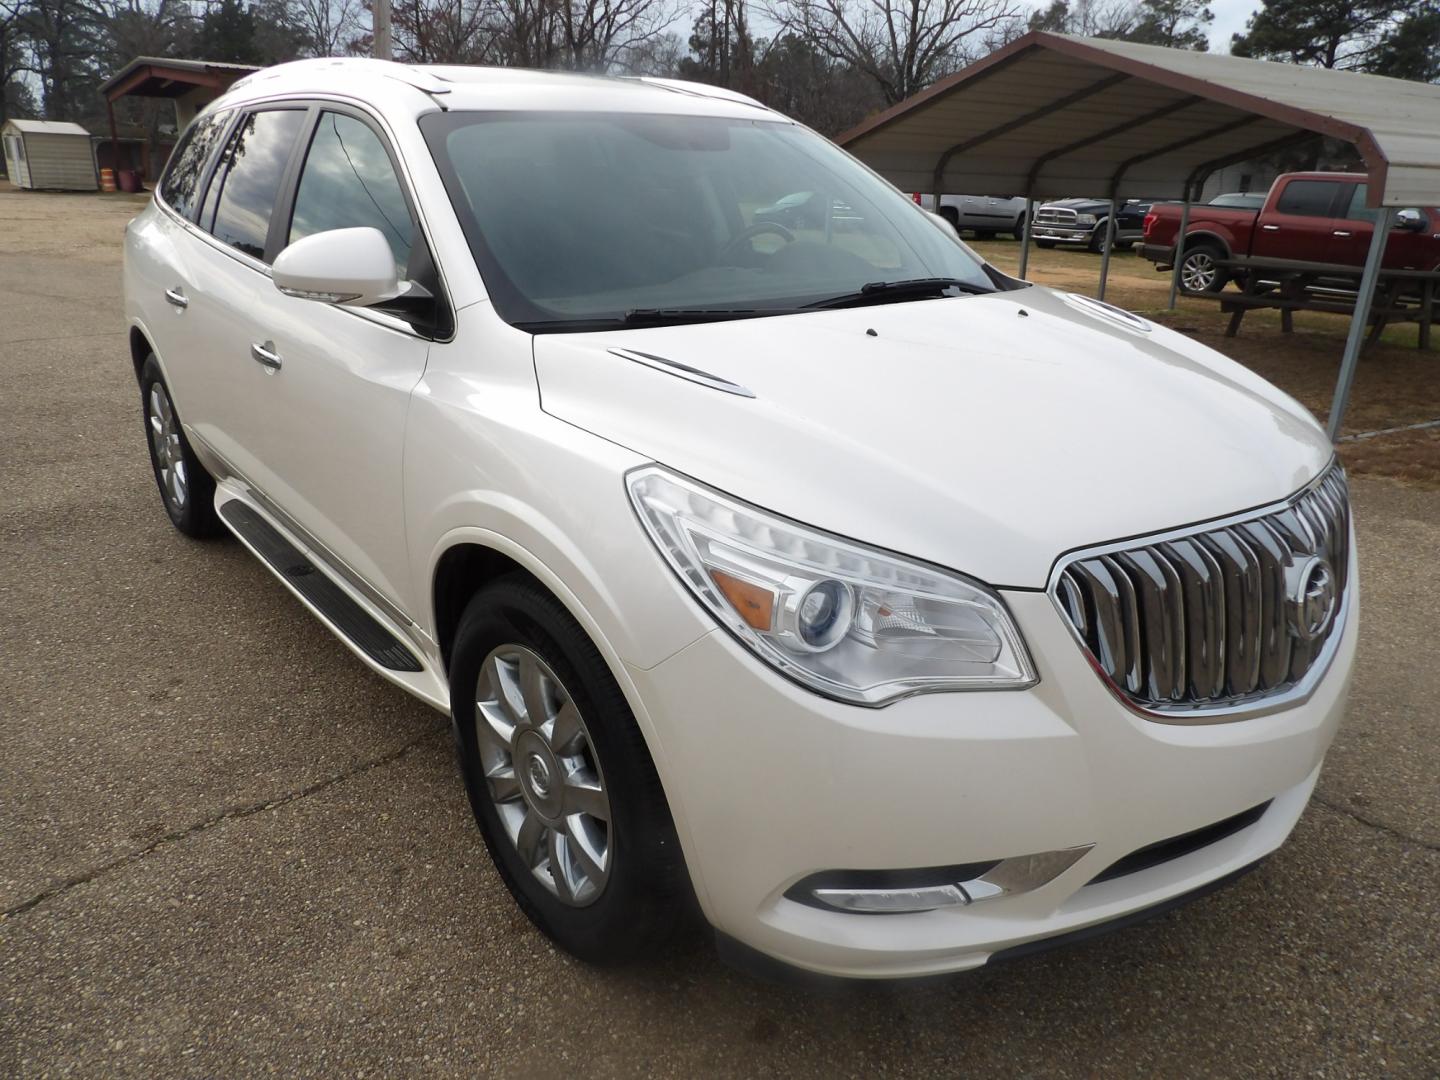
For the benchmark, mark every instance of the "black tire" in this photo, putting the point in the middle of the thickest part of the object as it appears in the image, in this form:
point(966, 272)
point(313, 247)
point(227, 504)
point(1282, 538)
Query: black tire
point(646, 896)
point(1047, 244)
point(190, 501)
point(1193, 268)
point(1097, 237)
point(1019, 231)
point(950, 214)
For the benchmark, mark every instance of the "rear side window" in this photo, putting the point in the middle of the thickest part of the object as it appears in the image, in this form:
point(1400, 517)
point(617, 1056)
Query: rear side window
point(187, 165)
point(348, 181)
point(1310, 198)
point(254, 166)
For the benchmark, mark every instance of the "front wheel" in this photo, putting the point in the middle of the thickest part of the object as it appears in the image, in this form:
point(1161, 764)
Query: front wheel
point(186, 489)
point(560, 780)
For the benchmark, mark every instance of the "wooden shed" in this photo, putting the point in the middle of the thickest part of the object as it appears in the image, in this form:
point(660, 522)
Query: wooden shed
point(49, 154)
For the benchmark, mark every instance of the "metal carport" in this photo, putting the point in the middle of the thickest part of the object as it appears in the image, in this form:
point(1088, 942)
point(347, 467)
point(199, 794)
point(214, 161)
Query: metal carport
point(1051, 115)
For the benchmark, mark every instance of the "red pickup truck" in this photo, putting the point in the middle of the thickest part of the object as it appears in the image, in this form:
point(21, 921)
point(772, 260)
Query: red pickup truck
point(1307, 217)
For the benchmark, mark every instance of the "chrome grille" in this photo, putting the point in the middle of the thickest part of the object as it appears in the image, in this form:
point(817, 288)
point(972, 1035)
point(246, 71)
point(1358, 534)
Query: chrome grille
point(1205, 621)
point(1054, 215)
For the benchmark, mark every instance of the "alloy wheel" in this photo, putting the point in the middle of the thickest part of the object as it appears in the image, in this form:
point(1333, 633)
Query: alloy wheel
point(542, 774)
point(169, 453)
point(1197, 272)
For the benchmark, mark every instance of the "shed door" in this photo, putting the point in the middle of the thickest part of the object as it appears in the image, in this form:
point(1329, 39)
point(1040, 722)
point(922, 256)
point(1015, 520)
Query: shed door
point(15, 163)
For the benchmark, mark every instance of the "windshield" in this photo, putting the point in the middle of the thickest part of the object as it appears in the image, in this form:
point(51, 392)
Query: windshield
point(579, 220)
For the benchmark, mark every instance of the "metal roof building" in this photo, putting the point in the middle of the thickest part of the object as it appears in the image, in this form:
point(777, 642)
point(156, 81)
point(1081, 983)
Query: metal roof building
point(1051, 115)
point(48, 154)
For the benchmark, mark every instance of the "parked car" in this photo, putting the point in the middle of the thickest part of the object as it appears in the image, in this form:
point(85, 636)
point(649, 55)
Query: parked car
point(1311, 217)
point(786, 582)
point(984, 215)
point(1083, 223)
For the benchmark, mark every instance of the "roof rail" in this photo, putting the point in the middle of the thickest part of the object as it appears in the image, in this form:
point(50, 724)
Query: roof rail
point(700, 90)
point(420, 79)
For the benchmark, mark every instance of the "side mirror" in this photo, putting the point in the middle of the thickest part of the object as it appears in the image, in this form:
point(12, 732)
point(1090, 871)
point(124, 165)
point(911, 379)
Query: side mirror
point(1410, 220)
point(342, 266)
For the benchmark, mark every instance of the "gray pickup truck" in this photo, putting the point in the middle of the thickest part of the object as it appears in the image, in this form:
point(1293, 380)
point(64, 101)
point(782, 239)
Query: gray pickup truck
point(985, 215)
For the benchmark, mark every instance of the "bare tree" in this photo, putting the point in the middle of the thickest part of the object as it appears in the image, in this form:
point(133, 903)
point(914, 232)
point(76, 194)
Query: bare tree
point(581, 35)
point(330, 26)
point(902, 46)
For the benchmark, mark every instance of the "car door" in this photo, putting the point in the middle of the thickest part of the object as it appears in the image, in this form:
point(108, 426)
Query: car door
point(1300, 224)
point(333, 404)
point(225, 285)
point(162, 264)
point(1354, 229)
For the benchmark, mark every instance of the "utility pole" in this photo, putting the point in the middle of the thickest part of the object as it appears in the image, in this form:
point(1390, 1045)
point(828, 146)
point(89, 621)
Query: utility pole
point(380, 47)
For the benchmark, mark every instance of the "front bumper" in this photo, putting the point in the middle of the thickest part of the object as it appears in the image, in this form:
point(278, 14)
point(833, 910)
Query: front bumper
point(772, 783)
point(1061, 235)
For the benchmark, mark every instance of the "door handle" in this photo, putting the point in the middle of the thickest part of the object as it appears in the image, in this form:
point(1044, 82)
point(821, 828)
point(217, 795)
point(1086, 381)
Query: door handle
point(265, 355)
point(176, 298)
point(1270, 228)
point(1340, 232)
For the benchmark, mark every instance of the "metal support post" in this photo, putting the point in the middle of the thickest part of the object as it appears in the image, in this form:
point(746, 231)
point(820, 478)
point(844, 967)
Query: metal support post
point(1025, 236)
point(1105, 251)
point(1363, 301)
point(1179, 251)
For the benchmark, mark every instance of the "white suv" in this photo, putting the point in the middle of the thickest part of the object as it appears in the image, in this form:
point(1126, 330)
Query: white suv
point(899, 613)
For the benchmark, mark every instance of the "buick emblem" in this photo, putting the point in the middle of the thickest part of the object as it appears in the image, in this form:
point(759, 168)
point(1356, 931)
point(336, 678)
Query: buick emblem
point(1312, 598)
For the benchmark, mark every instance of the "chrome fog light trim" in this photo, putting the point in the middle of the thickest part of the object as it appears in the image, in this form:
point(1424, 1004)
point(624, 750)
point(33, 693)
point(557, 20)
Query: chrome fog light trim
point(910, 895)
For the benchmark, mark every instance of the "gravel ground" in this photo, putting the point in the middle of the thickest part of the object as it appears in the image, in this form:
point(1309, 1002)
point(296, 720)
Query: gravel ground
point(228, 849)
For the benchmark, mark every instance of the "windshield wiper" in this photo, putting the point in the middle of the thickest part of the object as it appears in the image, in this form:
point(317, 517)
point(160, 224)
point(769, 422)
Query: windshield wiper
point(884, 292)
point(675, 316)
point(640, 317)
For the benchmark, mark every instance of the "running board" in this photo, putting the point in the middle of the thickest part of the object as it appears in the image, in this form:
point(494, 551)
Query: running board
point(315, 586)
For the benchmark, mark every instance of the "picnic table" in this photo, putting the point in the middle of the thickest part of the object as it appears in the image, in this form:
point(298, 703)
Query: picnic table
point(1291, 285)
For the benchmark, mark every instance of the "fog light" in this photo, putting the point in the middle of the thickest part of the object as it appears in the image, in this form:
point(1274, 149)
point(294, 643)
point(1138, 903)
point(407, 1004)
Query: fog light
point(900, 892)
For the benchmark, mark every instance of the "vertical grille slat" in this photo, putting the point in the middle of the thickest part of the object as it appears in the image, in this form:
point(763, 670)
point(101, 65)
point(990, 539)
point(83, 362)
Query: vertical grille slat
point(1211, 618)
point(1274, 640)
point(1204, 615)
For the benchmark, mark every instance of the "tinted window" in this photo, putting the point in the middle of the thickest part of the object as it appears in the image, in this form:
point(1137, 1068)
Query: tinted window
point(348, 181)
point(1246, 201)
point(1311, 197)
point(254, 165)
point(187, 164)
point(1357, 210)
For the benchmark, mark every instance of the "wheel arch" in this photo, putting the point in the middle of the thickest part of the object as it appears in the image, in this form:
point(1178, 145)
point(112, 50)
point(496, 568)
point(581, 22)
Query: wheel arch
point(463, 569)
point(140, 348)
point(1205, 237)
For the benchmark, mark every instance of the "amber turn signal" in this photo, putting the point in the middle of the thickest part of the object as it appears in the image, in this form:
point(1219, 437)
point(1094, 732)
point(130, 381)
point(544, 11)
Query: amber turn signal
point(755, 603)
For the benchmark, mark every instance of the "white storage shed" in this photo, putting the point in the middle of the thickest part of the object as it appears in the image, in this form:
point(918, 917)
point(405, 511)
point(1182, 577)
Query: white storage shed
point(49, 154)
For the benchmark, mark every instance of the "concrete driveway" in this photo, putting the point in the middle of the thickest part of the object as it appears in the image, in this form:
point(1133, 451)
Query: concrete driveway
point(228, 849)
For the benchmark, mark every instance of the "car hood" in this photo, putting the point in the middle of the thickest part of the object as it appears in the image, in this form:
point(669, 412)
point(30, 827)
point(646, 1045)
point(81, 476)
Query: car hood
point(1086, 205)
point(988, 434)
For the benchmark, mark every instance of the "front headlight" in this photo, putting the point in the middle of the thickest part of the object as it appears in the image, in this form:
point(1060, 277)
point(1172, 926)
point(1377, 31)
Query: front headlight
point(1085, 219)
point(850, 622)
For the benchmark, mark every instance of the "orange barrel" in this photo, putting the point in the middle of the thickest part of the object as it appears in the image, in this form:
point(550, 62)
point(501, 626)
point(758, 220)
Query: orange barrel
point(107, 179)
